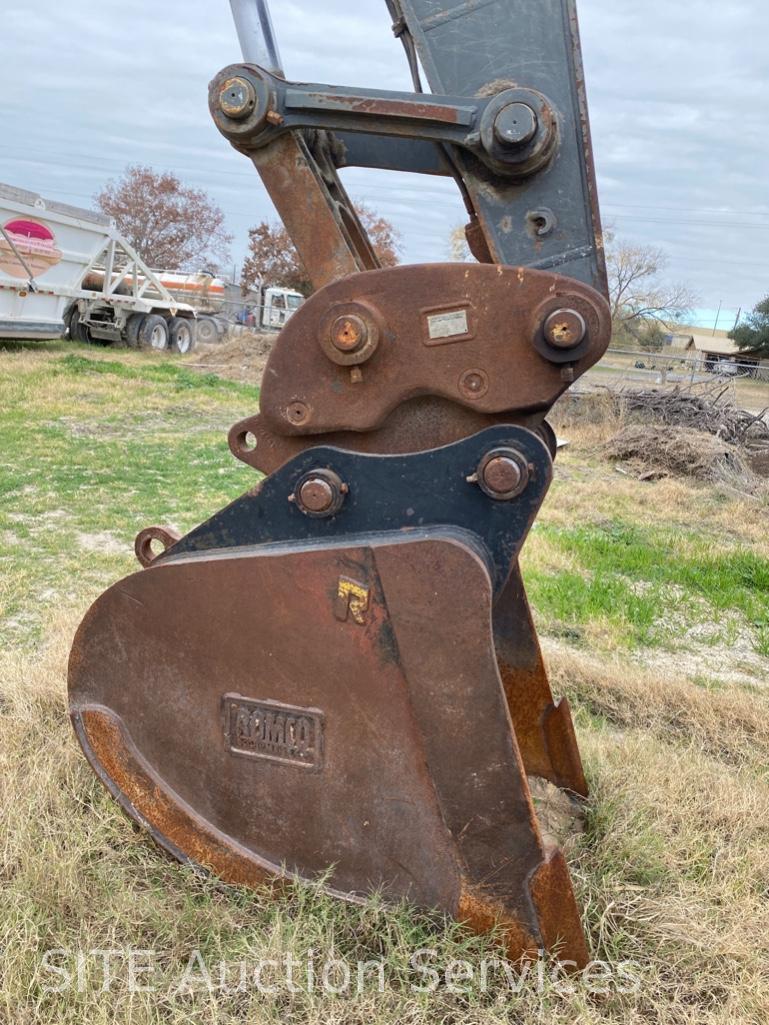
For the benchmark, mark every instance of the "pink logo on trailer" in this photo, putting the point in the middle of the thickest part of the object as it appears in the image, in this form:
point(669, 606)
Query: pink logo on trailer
point(34, 242)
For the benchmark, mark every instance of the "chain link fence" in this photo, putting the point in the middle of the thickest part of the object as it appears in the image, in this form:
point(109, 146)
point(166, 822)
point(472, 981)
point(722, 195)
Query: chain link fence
point(745, 381)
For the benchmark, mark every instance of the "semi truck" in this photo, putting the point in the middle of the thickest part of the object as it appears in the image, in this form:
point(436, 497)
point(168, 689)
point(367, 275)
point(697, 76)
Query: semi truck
point(64, 268)
point(219, 303)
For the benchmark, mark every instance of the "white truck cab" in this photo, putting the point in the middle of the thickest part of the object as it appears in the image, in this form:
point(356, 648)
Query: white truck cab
point(278, 305)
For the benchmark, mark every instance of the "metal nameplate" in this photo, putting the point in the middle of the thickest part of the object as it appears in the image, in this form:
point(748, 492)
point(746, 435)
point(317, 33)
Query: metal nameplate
point(275, 732)
point(447, 326)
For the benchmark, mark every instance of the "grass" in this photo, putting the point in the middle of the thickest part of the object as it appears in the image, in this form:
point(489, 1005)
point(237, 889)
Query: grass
point(644, 579)
point(94, 449)
point(666, 584)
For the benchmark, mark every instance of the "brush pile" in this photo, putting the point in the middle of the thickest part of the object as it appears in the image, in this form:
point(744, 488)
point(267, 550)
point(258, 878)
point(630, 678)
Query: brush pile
point(657, 451)
point(241, 357)
point(694, 432)
point(705, 410)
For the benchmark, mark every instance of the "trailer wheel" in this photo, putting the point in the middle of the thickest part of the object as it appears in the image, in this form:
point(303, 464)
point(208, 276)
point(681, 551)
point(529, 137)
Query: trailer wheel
point(207, 332)
point(181, 332)
point(133, 324)
point(153, 333)
point(78, 332)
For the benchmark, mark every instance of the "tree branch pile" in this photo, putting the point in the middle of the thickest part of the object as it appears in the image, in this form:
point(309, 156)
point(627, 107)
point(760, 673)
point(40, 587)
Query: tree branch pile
point(680, 452)
point(691, 432)
point(698, 409)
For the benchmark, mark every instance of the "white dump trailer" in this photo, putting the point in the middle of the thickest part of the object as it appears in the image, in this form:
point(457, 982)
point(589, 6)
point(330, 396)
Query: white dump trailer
point(63, 268)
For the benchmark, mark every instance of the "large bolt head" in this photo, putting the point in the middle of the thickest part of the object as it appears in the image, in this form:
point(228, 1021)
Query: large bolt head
point(515, 125)
point(565, 329)
point(503, 474)
point(237, 98)
point(320, 493)
point(316, 495)
point(348, 334)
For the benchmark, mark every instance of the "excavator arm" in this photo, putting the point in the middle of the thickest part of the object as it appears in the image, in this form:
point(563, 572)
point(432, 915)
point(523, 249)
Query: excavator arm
point(338, 674)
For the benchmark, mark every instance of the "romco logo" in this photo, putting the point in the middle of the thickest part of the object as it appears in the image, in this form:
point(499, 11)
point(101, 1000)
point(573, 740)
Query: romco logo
point(33, 242)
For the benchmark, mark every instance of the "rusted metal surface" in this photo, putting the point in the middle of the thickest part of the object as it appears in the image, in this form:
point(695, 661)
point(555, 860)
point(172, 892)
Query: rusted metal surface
point(378, 106)
point(144, 796)
point(503, 474)
point(565, 329)
point(331, 244)
point(470, 334)
point(543, 726)
point(294, 732)
point(420, 423)
point(165, 537)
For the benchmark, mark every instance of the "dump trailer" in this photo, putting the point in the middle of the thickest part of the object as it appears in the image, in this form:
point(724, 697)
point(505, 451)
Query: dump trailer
point(66, 269)
point(337, 676)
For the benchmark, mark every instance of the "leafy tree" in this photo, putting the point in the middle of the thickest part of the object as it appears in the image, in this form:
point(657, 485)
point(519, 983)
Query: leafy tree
point(644, 303)
point(273, 259)
point(171, 226)
point(753, 336)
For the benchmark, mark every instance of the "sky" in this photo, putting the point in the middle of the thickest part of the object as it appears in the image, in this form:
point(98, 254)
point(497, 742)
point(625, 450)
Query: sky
point(677, 90)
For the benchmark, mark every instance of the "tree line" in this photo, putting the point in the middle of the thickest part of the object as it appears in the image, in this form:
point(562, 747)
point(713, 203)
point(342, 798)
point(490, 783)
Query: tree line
point(175, 227)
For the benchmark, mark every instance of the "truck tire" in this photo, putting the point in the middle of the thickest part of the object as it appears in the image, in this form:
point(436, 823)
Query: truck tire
point(181, 332)
point(153, 333)
point(208, 332)
point(78, 332)
point(133, 324)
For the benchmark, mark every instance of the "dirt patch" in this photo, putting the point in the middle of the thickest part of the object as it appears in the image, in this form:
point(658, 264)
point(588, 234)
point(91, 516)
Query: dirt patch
point(758, 461)
point(241, 358)
point(102, 541)
point(561, 817)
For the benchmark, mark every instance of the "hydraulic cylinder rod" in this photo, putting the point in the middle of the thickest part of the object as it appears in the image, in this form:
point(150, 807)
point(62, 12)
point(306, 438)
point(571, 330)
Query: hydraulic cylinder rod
point(256, 34)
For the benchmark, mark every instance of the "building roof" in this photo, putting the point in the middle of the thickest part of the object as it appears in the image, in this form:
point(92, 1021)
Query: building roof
point(717, 346)
point(709, 346)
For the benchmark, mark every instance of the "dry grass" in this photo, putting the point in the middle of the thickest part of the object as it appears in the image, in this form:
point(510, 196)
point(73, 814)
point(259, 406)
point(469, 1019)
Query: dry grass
point(673, 871)
point(586, 486)
point(241, 357)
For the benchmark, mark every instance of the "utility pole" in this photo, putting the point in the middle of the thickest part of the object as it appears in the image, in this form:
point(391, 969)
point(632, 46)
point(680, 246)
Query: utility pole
point(718, 317)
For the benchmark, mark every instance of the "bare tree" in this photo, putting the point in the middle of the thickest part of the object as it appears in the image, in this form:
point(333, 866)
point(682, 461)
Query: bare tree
point(171, 226)
point(644, 303)
point(272, 257)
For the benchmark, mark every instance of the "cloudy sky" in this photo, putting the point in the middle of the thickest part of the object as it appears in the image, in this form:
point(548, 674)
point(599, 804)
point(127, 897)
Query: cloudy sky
point(679, 98)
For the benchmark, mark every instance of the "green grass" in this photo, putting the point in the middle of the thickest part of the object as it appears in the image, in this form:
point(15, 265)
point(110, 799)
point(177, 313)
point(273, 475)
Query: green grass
point(577, 599)
point(95, 449)
point(649, 581)
point(176, 377)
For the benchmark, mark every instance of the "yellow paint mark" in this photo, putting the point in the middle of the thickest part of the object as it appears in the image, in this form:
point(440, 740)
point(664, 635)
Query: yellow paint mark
point(352, 600)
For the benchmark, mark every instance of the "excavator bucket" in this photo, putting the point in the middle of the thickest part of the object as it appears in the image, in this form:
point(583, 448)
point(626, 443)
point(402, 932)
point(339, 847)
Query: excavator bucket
point(337, 676)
